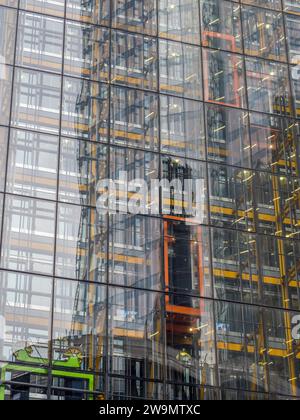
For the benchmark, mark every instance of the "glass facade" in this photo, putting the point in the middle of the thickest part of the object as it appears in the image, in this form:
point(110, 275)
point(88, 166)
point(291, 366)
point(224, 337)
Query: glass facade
point(142, 306)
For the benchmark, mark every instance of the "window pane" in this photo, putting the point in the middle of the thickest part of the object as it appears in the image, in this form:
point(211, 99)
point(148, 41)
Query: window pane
point(5, 89)
point(221, 25)
point(28, 242)
point(180, 69)
point(86, 51)
point(180, 20)
point(82, 166)
point(36, 101)
point(136, 16)
point(25, 318)
point(81, 243)
point(272, 4)
point(134, 118)
point(135, 251)
point(223, 78)
point(85, 109)
point(48, 7)
point(263, 33)
point(182, 127)
point(291, 6)
point(228, 139)
point(90, 12)
point(39, 42)
point(134, 60)
point(32, 164)
point(293, 37)
point(8, 20)
point(3, 152)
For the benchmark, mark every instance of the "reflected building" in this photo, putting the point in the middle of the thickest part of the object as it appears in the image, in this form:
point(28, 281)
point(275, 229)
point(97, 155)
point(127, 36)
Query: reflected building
point(149, 306)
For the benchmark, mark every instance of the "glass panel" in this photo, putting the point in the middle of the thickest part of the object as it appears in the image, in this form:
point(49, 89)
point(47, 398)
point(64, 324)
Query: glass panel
point(86, 51)
point(135, 251)
point(268, 86)
point(263, 33)
point(134, 118)
point(10, 3)
point(28, 240)
point(36, 101)
point(223, 78)
point(5, 89)
point(82, 166)
point(135, 16)
point(3, 153)
point(293, 38)
point(179, 20)
point(89, 11)
point(25, 319)
point(134, 60)
point(227, 132)
point(190, 346)
point(180, 69)
point(25, 393)
point(79, 332)
point(85, 109)
point(272, 4)
point(39, 42)
point(8, 19)
point(125, 388)
point(221, 25)
point(81, 243)
point(231, 197)
point(48, 7)
point(292, 6)
point(182, 127)
point(136, 334)
point(32, 164)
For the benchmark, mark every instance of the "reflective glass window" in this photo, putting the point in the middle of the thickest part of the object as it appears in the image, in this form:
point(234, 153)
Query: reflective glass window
point(134, 118)
point(81, 243)
point(182, 127)
point(292, 6)
point(39, 43)
point(5, 89)
point(134, 60)
point(28, 242)
point(79, 330)
point(227, 136)
point(293, 37)
point(86, 51)
point(179, 20)
point(135, 251)
point(263, 33)
point(48, 7)
point(223, 78)
point(84, 109)
point(180, 69)
point(270, 4)
point(221, 25)
point(136, 334)
point(25, 319)
point(268, 86)
point(36, 101)
point(3, 152)
point(8, 20)
point(32, 164)
point(135, 16)
point(94, 12)
point(82, 166)
point(11, 3)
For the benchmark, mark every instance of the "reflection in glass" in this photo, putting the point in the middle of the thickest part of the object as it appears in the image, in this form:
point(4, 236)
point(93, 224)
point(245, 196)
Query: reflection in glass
point(86, 51)
point(180, 69)
point(36, 101)
point(32, 164)
point(8, 20)
point(81, 243)
point(134, 118)
point(82, 166)
point(135, 16)
point(48, 7)
point(5, 89)
point(91, 11)
point(28, 240)
point(135, 251)
point(3, 152)
point(84, 109)
point(221, 25)
point(134, 60)
point(39, 42)
point(182, 127)
point(263, 33)
point(179, 21)
point(223, 78)
point(228, 139)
